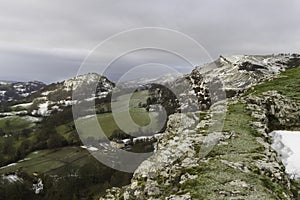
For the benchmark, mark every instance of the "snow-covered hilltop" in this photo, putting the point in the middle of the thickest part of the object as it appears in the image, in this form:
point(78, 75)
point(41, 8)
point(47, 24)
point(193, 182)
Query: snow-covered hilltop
point(87, 79)
point(144, 82)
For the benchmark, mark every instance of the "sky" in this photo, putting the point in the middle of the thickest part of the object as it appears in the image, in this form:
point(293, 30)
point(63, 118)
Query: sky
point(48, 40)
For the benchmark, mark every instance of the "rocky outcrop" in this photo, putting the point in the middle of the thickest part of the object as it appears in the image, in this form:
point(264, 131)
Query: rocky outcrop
point(242, 165)
point(194, 160)
point(273, 111)
point(178, 150)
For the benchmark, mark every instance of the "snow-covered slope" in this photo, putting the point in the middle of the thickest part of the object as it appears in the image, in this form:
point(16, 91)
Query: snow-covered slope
point(242, 71)
point(144, 82)
point(11, 91)
point(230, 75)
point(286, 143)
point(84, 80)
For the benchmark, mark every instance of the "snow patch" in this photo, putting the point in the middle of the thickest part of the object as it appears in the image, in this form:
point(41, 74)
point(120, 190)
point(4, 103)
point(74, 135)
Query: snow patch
point(32, 119)
point(38, 187)
point(43, 109)
point(90, 148)
point(2, 92)
point(25, 105)
point(10, 165)
point(3, 83)
point(286, 143)
point(23, 160)
point(25, 94)
point(7, 114)
point(47, 93)
point(12, 178)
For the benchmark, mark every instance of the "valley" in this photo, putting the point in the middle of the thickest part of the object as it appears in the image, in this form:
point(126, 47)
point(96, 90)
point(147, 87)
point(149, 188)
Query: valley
point(39, 141)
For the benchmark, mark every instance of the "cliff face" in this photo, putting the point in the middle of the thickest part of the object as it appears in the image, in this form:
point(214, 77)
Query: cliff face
point(215, 154)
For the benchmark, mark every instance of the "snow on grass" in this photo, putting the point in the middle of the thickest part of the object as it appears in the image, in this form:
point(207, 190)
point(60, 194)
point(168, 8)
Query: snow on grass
point(13, 164)
point(38, 187)
point(286, 143)
point(32, 119)
point(7, 114)
point(90, 148)
point(48, 92)
point(43, 109)
point(25, 94)
point(69, 102)
point(23, 160)
point(12, 178)
point(25, 105)
point(2, 92)
point(10, 165)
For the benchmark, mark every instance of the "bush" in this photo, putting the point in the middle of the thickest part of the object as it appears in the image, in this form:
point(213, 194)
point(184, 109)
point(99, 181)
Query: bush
point(56, 140)
point(119, 135)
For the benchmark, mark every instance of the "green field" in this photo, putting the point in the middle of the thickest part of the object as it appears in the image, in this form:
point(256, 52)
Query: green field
point(47, 161)
point(88, 127)
point(50, 161)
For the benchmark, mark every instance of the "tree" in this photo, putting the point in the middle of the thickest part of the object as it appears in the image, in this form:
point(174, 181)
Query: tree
point(118, 134)
point(2, 133)
point(17, 190)
point(24, 149)
point(7, 124)
point(55, 140)
point(8, 146)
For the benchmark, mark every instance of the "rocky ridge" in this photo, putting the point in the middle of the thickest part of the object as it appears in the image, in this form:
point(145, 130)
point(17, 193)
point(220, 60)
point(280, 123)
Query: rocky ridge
point(227, 77)
point(242, 164)
point(170, 173)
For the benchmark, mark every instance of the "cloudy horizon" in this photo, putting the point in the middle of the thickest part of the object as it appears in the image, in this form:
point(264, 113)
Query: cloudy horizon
point(48, 40)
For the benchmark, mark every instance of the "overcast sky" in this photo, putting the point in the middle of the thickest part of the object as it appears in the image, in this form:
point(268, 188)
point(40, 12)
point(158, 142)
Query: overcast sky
point(47, 40)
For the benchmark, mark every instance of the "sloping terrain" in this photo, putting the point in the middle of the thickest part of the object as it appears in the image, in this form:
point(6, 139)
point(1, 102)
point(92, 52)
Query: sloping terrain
point(242, 164)
point(11, 91)
point(39, 141)
point(40, 144)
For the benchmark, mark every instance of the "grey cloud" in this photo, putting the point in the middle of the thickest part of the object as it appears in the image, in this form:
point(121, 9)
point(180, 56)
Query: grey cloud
point(49, 39)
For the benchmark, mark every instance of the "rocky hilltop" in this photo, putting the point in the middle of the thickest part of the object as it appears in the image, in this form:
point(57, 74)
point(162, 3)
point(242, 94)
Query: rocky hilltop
point(201, 156)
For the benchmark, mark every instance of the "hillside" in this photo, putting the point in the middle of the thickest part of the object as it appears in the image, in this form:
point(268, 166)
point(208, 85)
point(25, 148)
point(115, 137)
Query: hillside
point(215, 144)
point(41, 146)
point(12, 91)
point(195, 160)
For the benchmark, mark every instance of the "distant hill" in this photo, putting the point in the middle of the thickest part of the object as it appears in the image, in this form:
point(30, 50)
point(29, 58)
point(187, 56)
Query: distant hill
point(12, 91)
